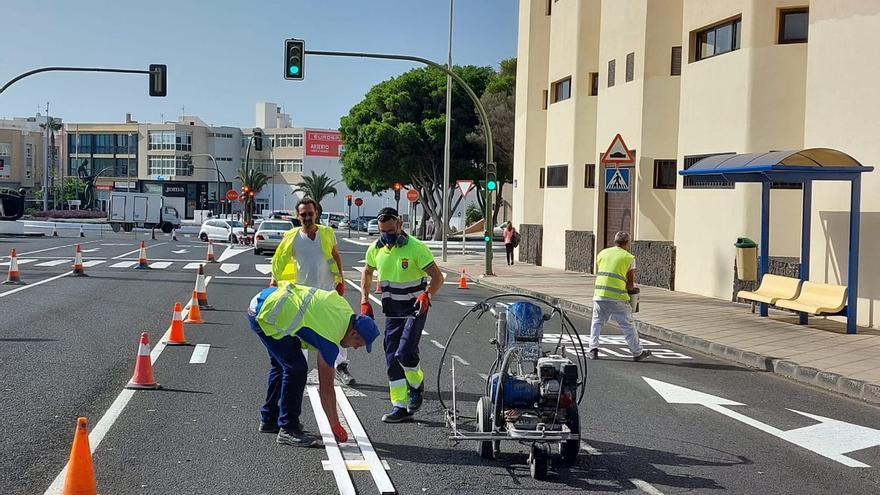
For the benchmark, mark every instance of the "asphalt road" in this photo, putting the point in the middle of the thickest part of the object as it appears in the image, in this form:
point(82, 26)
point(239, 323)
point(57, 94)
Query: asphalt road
point(67, 348)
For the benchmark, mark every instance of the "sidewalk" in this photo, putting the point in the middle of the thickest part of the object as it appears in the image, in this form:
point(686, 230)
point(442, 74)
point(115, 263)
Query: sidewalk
point(820, 354)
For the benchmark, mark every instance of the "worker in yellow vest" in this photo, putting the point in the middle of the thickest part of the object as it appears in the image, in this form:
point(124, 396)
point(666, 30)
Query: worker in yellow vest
point(287, 319)
point(615, 280)
point(308, 256)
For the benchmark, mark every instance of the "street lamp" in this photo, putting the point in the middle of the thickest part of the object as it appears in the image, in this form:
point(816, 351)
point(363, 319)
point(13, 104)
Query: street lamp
point(189, 156)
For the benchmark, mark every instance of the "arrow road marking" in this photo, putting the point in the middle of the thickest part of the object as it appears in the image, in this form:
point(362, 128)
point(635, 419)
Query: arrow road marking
point(264, 269)
point(829, 438)
point(229, 267)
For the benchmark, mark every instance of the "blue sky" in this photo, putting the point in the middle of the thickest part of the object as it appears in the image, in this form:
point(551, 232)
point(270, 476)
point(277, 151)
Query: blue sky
point(223, 56)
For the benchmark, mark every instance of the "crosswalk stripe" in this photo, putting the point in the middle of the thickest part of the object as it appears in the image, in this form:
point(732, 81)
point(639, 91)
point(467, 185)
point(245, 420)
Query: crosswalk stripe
point(20, 262)
point(264, 269)
point(192, 266)
point(123, 264)
point(53, 263)
point(89, 263)
point(229, 267)
point(161, 265)
point(466, 303)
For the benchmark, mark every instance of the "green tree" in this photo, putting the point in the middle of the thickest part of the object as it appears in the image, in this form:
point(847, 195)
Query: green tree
point(499, 99)
point(472, 213)
point(255, 181)
point(397, 134)
point(317, 187)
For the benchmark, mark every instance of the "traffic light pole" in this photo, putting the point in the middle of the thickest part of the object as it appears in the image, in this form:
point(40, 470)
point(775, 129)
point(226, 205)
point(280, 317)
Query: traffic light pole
point(70, 69)
point(480, 110)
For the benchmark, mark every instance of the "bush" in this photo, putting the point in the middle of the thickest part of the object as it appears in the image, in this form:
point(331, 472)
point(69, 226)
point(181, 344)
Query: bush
point(70, 214)
point(472, 213)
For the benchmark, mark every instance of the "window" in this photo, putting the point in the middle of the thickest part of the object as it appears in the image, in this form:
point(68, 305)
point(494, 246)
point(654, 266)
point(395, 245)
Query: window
point(295, 165)
point(166, 165)
point(611, 73)
point(160, 140)
point(544, 100)
point(706, 181)
point(718, 39)
point(664, 174)
point(562, 90)
point(594, 84)
point(675, 64)
point(184, 141)
point(630, 66)
point(29, 161)
point(104, 144)
point(557, 176)
point(793, 25)
point(590, 175)
point(541, 178)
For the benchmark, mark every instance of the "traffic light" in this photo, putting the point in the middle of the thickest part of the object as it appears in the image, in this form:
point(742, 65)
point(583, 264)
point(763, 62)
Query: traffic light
point(244, 190)
point(294, 56)
point(258, 140)
point(397, 187)
point(158, 80)
point(491, 177)
point(348, 198)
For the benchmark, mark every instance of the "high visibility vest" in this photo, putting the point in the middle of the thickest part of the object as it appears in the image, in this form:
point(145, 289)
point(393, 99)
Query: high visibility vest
point(284, 264)
point(292, 307)
point(613, 264)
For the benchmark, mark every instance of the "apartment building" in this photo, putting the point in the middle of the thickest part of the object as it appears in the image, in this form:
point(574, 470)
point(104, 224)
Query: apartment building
point(681, 80)
point(22, 153)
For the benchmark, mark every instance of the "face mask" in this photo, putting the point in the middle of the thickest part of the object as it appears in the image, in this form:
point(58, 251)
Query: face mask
point(389, 239)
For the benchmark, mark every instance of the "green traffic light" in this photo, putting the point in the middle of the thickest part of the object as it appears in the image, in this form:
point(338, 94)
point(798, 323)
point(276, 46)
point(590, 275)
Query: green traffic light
point(487, 239)
point(491, 185)
point(294, 70)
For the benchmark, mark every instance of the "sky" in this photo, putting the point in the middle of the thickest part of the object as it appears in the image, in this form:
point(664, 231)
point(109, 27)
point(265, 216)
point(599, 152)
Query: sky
point(223, 56)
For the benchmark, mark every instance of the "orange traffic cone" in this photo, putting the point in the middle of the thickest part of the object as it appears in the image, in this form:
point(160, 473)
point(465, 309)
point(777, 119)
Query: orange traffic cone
point(143, 366)
point(142, 258)
point(202, 289)
point(462, 282)
point(78, 270)
point(14, 277)
point(195, 313)
point(176, 337)
point(210, 257)
point(80, 479)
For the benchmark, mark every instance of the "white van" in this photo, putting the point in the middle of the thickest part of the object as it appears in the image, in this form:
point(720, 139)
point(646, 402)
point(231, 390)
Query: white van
point(332, 219)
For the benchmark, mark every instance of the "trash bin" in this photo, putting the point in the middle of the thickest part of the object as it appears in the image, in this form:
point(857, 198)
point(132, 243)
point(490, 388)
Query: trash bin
point(746, 259)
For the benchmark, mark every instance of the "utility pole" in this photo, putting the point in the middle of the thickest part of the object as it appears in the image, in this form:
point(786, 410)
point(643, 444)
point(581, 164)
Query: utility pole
point(446, 153)
point(46, 165)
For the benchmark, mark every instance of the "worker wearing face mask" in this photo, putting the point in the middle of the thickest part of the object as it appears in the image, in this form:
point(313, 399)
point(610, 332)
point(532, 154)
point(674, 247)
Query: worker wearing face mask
point(404, 266)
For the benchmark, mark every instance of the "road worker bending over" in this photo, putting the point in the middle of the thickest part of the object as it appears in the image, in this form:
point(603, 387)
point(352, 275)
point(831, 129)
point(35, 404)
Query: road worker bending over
point(287, 319)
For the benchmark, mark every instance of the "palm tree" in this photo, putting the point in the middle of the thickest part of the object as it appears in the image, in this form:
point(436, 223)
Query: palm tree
point(254, 181)
point(317, 187)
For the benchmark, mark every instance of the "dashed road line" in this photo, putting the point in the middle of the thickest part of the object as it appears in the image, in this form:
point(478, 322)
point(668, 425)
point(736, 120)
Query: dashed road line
point(53, 262)
point(645, 486)
point(123, 264)
point(34, 284)
point(192, 266)
point(438, 344)
point(337, 462)
point(466, 303)
point(200, 354)
point(161, 265)
point(377, 468)
point(90, 263)
point(56, 247)
point(460, 360)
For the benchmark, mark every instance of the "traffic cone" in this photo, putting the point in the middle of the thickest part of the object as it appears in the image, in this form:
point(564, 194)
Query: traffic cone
point(195, 313)
point(173, 234)
point(14, 277)
point(202, 289)
point(54, 230)
point(80, 479)
point(462, 282)
point(81, 232)
point(176, 337)
point(143, 367)
point(78, 270)
point(142, 258)
point(210, 257)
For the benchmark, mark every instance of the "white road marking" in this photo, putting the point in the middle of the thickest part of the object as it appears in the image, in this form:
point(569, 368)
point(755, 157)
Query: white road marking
point(54, 262)
point(353, 465)
point(90, 250)
point(124, 264)
point(193, 266)
point(112, 414)
point(34, 284)
point(645, 486)
point(466, 303)
point(377, 468)
point(829, 438)
point(425, 333)
point(89, 263)
point(161, 265)
point(484, 376)
point(460, 360)
point(340, 471)
point(264, 269)
point(229, 267)
point(51, 248)
point(438, 344)
point(138, 250)
point(200, 354)
point(358, 287)
point(20, 262)
point(231, 251)
point(590, 449)
point(180, 251)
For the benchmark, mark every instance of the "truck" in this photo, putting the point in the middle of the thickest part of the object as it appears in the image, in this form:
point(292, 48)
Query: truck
point(142, 210)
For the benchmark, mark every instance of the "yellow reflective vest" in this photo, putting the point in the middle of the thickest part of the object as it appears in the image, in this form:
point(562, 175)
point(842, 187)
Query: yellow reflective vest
point(292, 307)
point(612, 266)
point(284, 263)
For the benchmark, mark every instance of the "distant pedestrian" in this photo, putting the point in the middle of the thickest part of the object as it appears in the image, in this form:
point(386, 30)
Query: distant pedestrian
point(615, 280)
point(511, 239)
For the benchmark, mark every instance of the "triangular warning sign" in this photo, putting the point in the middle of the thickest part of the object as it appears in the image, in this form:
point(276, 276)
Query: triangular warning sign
point(618, 152)
point(617, 182)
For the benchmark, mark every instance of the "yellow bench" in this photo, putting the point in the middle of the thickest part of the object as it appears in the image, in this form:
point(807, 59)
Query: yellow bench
point(817, 299)
point(773, 288)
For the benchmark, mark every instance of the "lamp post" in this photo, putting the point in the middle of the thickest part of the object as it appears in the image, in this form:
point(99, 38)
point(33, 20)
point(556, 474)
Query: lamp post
point(189, 156)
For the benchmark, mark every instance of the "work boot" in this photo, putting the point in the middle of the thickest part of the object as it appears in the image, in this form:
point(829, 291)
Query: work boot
point(397, 415)
point(644, 354)
point(416, 397)
point(593, 353)
point(297, 438)
point(343, 374)
point(268, 427)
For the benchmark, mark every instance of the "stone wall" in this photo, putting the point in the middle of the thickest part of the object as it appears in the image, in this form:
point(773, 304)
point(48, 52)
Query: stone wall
point(655, 263)
point(580, 250)
point(783, 266)
point(530, 243)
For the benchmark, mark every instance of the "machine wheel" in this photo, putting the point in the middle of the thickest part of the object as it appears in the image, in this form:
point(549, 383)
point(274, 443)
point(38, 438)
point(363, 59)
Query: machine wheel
point(115, 227)
point(233, 239)
point(538, 462)
point(167, 228)
point(569, 449)
point(204, 237)
point(127, 227)
point(484, 425)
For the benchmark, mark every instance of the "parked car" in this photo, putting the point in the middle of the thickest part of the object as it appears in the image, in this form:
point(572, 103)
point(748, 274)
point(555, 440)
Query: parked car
point(360, 223)
point(331, 219)
point(269, 235)
point(344, 223)
point(373, 227)
point(221, 230)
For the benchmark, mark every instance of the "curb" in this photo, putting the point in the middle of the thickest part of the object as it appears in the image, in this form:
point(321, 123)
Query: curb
point(856, 389)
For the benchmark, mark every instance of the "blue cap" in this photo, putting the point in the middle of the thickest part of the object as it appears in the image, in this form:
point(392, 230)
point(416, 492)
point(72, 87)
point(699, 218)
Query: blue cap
point(366, 327)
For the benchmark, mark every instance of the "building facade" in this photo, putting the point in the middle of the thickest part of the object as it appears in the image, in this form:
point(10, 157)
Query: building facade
point(680, 80)
point(23, 157)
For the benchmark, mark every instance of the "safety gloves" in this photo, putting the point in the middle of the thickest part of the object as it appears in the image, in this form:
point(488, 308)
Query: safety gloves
point(340, 288)
point(423, 302)
point(339, 433)
point(367, 309)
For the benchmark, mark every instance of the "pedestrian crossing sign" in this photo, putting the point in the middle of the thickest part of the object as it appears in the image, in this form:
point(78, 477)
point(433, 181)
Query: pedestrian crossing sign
point(617, 180)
